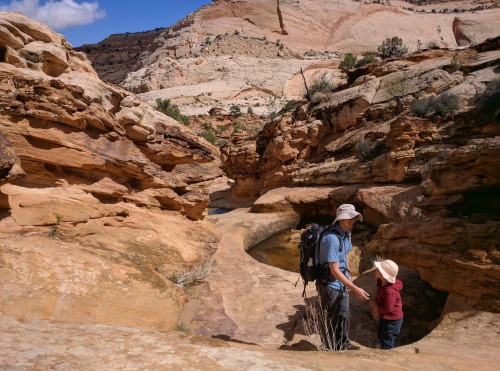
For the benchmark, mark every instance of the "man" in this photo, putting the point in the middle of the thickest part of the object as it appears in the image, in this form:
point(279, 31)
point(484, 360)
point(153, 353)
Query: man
point(334, 290)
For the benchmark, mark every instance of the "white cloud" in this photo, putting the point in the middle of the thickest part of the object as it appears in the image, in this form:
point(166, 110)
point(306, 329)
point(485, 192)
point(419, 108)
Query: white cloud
point(58, 14)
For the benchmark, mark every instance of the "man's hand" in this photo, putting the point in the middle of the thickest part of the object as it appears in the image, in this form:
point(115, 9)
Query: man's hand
point(361, 294)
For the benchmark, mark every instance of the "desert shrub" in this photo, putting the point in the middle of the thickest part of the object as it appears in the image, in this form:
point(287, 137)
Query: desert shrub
point(368, 149)
point(207, 126)
point(455, 62)
point(289, 106)
point(237, 129)
point(488, 102)
point(220, 129)
point(171, 110)
point(321, 85)
point(421, 107)
point(250, 110)
point(235, 110)
point(368, 57)
point(209, 136)
point(53, 230)
point(445, 104)
point(433, 45)
point(348, 62)
point(392, 47)
point(399, 85)
point(193, 275)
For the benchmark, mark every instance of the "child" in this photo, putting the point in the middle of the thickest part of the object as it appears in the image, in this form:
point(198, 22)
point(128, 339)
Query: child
point(388, 305)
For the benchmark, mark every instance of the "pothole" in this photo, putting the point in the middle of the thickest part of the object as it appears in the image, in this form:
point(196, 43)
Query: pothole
point(422, 304)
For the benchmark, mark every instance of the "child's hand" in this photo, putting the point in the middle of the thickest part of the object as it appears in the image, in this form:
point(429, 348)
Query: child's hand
point(375, 314)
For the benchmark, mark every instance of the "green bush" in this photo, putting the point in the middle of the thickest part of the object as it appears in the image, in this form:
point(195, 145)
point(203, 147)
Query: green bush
point(348, 62)
point(220, 129)
point(488, 102)
point(207, 126)
point(171, 110)
point(368, 149)
point(237, 129)
point(250, 110)
point(368, 57)
point(321, 85)
point(235, 110)
point(209, 136)
point(392, 47)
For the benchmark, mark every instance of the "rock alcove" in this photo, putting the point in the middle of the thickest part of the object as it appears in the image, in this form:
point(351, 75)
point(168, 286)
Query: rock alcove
point(423, 305)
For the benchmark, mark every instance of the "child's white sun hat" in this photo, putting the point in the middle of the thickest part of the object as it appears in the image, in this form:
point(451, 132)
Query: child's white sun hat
point(388, 268)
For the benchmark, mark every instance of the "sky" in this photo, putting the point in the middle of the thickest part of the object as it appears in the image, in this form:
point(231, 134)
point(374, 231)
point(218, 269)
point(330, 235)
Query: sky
point(88, 22)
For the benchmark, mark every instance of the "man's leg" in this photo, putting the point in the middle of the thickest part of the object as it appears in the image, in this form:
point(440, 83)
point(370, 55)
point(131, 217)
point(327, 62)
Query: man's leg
point(326, 322)
point(342, 315)
point(338, 312)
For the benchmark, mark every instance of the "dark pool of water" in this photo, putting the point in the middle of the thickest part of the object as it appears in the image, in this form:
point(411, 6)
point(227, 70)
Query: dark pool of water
point(279, 251)
point(216, 211)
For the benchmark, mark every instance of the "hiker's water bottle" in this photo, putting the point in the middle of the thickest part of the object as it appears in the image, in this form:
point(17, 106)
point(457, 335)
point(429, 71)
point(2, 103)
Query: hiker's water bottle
point(310, 262)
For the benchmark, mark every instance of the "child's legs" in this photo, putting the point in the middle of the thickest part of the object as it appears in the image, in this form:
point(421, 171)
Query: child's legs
point(388, 331)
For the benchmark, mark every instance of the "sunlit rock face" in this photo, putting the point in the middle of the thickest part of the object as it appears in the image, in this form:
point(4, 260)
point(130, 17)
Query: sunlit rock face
point(250, 52)
point(98, 198)
point(427, 183)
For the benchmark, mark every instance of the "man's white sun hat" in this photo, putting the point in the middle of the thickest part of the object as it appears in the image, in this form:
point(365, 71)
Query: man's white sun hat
point(347, 211)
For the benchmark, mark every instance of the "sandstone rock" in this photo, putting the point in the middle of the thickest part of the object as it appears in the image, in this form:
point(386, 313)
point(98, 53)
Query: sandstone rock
point(79, 131)
point(449, 261)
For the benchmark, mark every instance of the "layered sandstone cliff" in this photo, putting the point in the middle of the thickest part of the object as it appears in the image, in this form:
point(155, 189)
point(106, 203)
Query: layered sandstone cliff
point(99, 195)
point(427, 183)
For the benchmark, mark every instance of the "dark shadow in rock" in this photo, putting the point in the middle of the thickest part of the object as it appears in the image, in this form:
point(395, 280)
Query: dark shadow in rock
point(227, 338)
point(301, 346)
point(422, 308)
point(294, 321)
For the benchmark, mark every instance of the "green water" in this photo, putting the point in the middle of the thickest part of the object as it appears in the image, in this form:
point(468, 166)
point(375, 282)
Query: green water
point(279, 251)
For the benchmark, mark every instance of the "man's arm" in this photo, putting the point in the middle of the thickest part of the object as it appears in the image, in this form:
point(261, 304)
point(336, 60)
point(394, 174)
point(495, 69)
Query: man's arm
point(358, 291)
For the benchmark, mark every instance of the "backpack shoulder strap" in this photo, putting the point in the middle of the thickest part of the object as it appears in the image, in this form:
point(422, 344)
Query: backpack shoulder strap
point(331, 230)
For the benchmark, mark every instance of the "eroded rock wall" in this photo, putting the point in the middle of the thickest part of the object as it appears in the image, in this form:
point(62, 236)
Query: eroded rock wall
point(101, 204)
point(427, 183)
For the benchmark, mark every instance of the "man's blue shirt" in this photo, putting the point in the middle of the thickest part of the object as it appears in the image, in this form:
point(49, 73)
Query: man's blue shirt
point(329, 252)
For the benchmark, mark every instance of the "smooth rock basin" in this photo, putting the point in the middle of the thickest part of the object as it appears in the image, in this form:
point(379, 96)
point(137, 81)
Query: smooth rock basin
point(280, 250)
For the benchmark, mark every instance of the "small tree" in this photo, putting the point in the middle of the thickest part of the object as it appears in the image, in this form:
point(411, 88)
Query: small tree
point(171, 110)
point(348, 62)
point(392, 47)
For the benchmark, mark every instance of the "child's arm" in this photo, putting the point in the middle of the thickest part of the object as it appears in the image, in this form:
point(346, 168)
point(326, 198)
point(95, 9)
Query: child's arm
point(375, 313)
